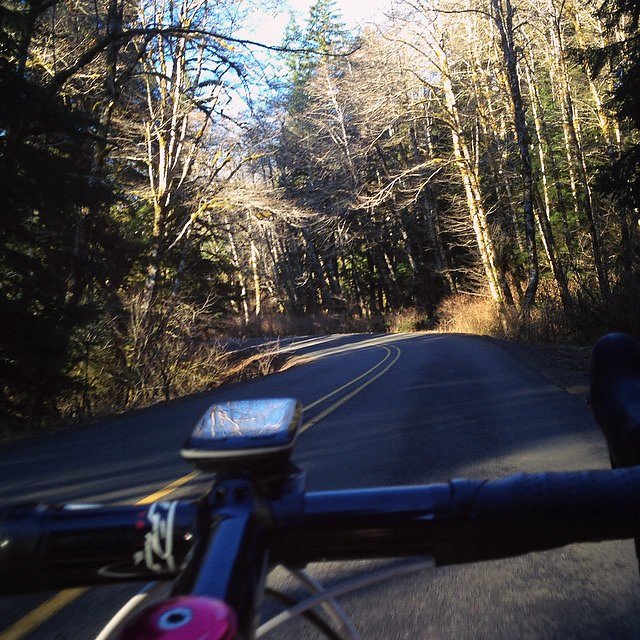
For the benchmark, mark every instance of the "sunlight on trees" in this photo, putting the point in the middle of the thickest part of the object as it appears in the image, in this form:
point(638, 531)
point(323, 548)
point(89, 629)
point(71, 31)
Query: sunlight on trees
point(478, 148)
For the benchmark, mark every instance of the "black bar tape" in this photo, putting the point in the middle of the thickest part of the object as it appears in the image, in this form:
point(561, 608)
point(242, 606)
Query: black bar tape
point(523, 513)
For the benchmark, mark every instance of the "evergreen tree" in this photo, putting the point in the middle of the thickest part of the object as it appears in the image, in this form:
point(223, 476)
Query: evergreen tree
point(45, 189)
point(325, 35)
point(326, 32)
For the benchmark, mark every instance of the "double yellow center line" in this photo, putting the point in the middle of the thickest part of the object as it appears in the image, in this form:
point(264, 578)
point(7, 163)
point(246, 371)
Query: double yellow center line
point(38, 616)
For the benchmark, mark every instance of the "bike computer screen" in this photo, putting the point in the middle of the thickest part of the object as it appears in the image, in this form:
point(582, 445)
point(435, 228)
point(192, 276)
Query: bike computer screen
point(244, 434)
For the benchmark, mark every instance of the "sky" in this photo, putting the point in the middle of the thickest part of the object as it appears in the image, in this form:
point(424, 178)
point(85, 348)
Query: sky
point(268, 26)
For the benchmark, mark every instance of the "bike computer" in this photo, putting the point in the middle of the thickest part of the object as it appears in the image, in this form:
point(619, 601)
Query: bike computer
point(247, 435)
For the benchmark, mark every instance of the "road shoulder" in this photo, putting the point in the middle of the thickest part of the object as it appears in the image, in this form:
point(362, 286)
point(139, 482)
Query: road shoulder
point(564, 365)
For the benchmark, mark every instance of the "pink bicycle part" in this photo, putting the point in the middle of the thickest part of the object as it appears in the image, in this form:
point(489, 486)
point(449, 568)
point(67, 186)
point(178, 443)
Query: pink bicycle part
point(183, 618)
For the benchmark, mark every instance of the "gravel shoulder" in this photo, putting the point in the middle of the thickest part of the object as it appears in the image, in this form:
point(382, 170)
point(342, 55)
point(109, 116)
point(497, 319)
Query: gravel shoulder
point(566, 366)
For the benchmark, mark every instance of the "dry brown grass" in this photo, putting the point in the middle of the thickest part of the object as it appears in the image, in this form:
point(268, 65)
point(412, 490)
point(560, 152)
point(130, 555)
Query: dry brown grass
point(548, 322)
point(463, 313)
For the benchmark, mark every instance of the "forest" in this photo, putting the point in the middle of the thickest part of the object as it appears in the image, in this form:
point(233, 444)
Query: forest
point(166, 181)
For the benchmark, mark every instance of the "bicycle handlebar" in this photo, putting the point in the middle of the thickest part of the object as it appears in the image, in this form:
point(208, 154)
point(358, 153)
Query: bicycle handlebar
point(466, 520)
point(49, 546)
point(455, 522)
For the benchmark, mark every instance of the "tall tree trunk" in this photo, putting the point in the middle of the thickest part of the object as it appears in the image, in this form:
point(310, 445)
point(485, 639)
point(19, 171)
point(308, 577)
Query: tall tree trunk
point(496, 280)
point(152, 281)
point(575, 154)
point(542, 131)
point(544, 210)
point(255, 272)
point(611, 134)
point(239, 270)
point(317, 271)
point(503, 14)
point(284, 258)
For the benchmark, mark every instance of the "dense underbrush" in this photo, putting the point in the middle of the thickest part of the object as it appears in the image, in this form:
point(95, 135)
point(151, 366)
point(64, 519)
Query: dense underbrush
point(139, 357)
point(549, 321)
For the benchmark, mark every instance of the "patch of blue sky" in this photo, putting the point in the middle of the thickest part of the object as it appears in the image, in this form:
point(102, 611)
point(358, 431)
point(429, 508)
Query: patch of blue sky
point(265, 22)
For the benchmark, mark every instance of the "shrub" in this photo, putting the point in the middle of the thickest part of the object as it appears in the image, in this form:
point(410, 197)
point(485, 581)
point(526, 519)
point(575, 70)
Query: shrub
point(464, 313)
point(407, 320)
point(140, 357)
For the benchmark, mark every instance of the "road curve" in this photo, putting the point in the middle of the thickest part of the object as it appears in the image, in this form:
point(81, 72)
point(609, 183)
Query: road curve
point(380, 410)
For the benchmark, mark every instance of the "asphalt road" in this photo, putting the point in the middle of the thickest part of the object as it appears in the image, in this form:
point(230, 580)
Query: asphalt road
point(379, 410)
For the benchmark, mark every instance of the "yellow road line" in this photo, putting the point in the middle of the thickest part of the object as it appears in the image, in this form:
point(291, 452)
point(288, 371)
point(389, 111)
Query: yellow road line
point(158, 495)
point(41, 614)
point(351, 348)
point(339, 403)
point(38, 616)
point(348, 384)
